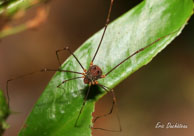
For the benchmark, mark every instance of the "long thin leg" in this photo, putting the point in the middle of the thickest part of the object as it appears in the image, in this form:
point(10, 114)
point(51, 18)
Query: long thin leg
point(112, 107)
point(140, 51)
point(114, 103)
point(42, 70)
point(85, 99)
point(67, 48)
point(63, 83)
point(69, 80)
point(60, 70)
point(105, 27)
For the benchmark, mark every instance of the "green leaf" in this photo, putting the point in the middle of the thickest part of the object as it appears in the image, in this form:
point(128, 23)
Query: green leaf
point(57, 109)
point(4, 112)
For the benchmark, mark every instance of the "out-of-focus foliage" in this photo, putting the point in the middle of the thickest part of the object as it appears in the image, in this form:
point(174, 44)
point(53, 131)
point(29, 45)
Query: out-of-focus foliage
point(4, 112)
point(13, 10)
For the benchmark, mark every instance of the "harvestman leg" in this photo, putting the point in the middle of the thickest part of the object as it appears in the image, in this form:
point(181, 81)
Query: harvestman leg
point(114, 104)
point(68, 80)
point(105, 27)
point(85, 99)
point(42, 70)
point(140, 50)
point(67, 49)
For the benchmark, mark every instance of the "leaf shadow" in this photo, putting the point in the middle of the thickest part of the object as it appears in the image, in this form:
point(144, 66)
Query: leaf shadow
point(95, 91)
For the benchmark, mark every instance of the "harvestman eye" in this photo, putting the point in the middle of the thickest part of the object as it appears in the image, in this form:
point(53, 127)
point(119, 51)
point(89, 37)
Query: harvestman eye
point(89, 77)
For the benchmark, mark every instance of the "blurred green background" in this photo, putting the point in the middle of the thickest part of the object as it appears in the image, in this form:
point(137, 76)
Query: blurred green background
point(161, 91)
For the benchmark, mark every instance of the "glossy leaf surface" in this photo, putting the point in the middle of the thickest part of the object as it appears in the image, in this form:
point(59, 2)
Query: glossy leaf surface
point(57, 109)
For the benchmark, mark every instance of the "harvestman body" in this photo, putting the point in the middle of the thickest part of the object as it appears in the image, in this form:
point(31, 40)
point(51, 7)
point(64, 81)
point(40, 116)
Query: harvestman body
point(91, 75)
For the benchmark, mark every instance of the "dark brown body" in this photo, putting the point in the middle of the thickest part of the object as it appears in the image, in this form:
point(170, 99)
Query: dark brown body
point(94, 73)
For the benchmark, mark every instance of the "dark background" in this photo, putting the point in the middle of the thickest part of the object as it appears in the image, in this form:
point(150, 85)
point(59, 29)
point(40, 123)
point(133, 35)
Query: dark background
point(161, 91)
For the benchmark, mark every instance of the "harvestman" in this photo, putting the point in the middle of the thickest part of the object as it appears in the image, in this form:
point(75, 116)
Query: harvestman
point(91, 75)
